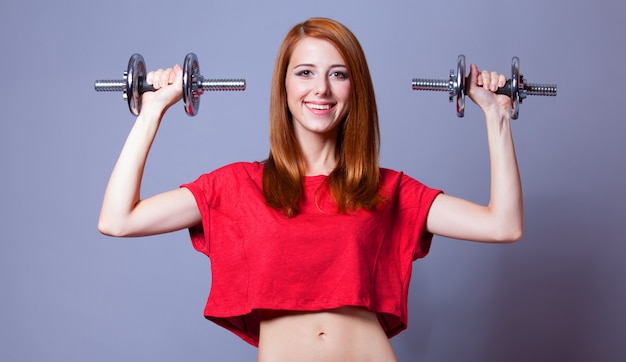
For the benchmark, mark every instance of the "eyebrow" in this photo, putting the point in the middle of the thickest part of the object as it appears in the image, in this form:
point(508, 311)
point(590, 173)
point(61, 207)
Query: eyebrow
point(313, 66)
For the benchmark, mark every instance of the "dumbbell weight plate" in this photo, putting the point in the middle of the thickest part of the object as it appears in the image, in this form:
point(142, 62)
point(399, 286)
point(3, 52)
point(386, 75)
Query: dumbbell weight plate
point(459, 86)
point(135, 73)
point(515, 83)
point(191, 89)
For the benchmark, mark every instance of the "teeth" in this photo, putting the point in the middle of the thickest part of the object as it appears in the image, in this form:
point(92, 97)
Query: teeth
point(319, 106)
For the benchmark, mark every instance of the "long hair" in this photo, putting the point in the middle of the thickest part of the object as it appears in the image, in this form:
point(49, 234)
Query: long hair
point(355, 180)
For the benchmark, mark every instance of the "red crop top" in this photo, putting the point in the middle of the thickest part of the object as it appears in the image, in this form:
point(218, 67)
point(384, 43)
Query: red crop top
point(318, 260)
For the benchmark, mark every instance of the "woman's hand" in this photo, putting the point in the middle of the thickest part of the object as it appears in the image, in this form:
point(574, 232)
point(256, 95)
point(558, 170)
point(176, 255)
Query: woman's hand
point(482, 87)
point(168, 85)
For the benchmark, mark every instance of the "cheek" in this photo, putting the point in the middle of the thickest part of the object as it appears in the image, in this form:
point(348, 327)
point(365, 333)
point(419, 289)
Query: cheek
point(345, 97)
point(342, 92)
point(289, 91)
point(293, 90)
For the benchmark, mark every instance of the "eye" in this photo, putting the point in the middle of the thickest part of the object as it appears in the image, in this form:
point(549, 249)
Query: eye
point(339, 75)
point(304, 73)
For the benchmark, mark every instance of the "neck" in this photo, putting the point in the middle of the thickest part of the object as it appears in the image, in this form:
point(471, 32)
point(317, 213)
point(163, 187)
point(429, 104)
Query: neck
point(322, 165)
point(319, 156)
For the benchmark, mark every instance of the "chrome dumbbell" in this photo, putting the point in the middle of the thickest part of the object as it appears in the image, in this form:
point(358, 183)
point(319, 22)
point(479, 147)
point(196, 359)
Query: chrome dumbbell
point(133, 85)
point(516, 87)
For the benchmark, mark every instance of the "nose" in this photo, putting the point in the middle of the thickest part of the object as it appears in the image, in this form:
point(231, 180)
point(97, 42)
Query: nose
point(322, 88)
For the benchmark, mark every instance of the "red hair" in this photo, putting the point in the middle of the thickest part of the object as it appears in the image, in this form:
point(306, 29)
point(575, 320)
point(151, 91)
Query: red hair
point(355, 180)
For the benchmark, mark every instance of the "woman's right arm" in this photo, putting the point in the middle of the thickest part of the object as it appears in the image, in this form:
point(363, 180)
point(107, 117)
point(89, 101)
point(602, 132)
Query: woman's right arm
point(123, 212)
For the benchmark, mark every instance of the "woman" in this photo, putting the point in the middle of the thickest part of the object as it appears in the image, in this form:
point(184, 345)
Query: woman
point(311, 250)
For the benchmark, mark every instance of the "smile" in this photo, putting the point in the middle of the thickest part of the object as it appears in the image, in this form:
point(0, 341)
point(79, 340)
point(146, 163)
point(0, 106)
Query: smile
point(320, 107)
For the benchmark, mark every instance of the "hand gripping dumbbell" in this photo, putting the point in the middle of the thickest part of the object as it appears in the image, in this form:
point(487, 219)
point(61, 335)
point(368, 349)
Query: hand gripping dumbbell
point(134, 84)
point(516, 87)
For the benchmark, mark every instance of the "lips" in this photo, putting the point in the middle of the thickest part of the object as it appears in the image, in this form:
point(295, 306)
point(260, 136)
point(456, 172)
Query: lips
point(319, 106)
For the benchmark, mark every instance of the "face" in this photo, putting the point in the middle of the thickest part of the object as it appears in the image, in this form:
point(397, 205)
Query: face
point(318, 88)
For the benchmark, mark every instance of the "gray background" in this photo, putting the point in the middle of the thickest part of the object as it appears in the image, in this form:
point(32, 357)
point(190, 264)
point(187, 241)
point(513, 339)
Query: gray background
point(69, 294)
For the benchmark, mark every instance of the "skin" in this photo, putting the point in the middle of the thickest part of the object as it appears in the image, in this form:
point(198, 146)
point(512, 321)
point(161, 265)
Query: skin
point(343, 334)
point(318, 94)
point(318, 90)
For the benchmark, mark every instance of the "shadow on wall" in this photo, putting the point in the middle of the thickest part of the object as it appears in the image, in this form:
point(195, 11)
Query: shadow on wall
point(546, 302)
point(544, 298)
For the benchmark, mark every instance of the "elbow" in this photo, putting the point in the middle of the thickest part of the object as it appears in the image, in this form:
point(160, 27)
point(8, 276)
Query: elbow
point(510, 234)
point(108, 228)
point(105, 230)
point(513, 236)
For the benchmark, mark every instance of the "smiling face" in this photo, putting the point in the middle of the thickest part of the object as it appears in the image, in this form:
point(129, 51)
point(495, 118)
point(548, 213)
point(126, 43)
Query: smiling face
point(318, 88)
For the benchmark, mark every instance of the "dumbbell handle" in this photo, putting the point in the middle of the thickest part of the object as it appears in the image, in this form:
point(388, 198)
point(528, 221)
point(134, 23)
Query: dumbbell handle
point(206, 85)
point(531, 89)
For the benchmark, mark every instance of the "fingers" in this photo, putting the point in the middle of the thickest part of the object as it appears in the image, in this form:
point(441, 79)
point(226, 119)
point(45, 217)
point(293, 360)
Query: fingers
point(162, 77)
point(490, 81)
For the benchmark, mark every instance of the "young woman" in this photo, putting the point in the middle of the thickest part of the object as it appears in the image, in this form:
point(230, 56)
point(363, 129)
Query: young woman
point(311, 250)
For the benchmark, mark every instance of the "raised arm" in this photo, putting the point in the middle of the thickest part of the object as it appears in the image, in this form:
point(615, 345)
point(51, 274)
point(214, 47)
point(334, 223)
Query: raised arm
point(502, 219)
point(123, 213)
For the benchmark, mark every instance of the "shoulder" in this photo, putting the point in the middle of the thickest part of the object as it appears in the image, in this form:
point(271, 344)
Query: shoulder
point(250, 168)
point(406, 189)
point(228, 184)
point(229, 175)
point(389, 177)
point(236, 170)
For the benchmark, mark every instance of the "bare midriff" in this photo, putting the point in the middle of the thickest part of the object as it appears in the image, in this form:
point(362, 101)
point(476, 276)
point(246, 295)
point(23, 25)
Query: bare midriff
point(342, 334)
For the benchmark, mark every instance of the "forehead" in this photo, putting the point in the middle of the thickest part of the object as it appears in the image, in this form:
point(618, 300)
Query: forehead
point(315, 50)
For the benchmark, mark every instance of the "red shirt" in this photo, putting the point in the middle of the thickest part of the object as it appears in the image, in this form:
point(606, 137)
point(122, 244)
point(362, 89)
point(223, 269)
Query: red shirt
point(317, 260)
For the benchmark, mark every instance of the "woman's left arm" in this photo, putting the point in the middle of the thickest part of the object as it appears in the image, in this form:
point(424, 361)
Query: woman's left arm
point(502, 219)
